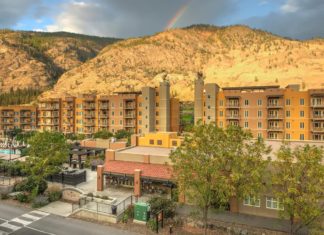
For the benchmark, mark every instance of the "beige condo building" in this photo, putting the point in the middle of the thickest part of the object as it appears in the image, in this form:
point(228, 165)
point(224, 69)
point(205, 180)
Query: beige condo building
point(269, 112)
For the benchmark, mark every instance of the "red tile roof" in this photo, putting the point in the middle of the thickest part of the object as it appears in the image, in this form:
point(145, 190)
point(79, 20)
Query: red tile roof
point(148, 170)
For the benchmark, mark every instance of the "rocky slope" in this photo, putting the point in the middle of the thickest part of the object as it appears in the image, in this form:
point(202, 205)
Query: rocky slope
point(230, 56)
point(36, 60)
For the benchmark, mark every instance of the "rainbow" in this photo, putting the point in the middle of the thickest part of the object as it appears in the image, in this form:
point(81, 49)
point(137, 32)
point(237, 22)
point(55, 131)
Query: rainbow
point(177, 16)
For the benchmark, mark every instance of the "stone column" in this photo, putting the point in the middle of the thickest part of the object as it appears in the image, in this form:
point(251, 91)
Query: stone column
point(100, 178)
point(137, 183)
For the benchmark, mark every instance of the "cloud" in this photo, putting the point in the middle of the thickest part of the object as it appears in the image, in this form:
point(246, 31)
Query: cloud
point(129, 18)
point(301, 19)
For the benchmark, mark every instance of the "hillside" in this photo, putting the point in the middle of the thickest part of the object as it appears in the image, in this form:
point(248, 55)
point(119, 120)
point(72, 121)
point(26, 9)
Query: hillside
point(35, 60)
point(230, 56)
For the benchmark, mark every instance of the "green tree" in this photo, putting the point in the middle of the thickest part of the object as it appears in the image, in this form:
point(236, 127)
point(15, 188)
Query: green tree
point(104, 134)
point(299, 184)
point(217, 165)
point(47, 152)
point(122, 134)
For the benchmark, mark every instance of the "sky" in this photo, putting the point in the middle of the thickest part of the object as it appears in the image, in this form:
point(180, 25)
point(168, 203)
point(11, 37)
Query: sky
point(300, 19)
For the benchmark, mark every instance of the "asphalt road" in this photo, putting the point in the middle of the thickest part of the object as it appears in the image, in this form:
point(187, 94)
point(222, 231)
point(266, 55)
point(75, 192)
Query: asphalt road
point(21, 221)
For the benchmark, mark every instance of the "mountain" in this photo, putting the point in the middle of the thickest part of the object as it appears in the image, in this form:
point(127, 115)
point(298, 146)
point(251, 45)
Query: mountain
point(229, 56)
point(35, 60)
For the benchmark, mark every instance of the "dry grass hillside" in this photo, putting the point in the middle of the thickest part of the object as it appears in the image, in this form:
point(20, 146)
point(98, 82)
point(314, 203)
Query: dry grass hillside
point(229, 56)
point(36, 60)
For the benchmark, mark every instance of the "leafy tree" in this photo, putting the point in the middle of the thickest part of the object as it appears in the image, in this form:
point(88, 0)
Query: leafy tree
point(104, 134)
point(122, 134)
point(47, 152)
point(299, 181)
point(217, 165)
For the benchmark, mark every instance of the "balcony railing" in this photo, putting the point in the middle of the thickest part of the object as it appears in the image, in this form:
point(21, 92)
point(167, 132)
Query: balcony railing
point(275, 116)
point(129, 124)
point(129, 107)
point(318, 117)
point(232, 105)
point(318, 129)
point(233, 116)
point(317, 105)
point(275, 128)
point(274, 105)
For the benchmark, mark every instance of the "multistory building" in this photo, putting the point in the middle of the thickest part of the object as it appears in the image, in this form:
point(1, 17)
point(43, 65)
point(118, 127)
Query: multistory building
point(269, 112)
point(17, 117)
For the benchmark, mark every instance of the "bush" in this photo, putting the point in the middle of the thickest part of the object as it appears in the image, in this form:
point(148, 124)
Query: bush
point(4, 196)
point(128, 214)
point(159, 203)
point(40, 201)
point(29, 184)
point(152, 224)
point(54, 196)
point(90, 194)
point(23, 197)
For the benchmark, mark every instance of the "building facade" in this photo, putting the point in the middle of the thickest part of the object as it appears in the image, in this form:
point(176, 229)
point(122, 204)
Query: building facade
point(269, 112)
point(17, 117)
point(149, 110)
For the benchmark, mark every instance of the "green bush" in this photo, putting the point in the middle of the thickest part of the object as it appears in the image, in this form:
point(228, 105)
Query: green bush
point(103, 134)
point(152, 224)
point(159, 203)
point(29, 184)
point(54, 196)
point(4, 196)
point(23, 197)
point(40, 201)
point(128, 214)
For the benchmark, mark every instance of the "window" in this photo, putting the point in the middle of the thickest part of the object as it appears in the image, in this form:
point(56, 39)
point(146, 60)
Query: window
point(120, 104)
point(301, 101)
point(301, 113)
point(246, 102)
point(246, 113)
point(157, 104)
point(246, 124)
point(139, 113)
point(157, 113)
point(140, 104)
point(287, 102)
point(139, 131)
point(288, 113)
point(288, 136)
point(208, 106)
point(174, 143)
point(221, 102)
point(159, 142)
point(139, 122)
point(301, 125)
point(259, 125)
point(221, 113)
point(208, 96)
point(220, 124)
point(120, 122)
point(112, 113)
point(251, 201)
point(157, 122)
point(151, 141)
point(112, 104)
point(208, 117)
point(16, 120)
point(113, 122)
point(121, 113)
point(259, 102)
point(274, 203)
point(259, 113)
point(301, 137)
point(288, 125)
point(259, 135)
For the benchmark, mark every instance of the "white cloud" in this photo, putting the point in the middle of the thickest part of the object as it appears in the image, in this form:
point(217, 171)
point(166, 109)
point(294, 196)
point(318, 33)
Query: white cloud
point(290, 6)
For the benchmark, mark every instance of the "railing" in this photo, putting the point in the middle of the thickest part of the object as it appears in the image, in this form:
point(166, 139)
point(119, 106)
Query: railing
point(318, 117)
point(275, 128)
point(275, 116)
point(232, 105)
point(232, 116)
point(274, 105)
point(318, 129)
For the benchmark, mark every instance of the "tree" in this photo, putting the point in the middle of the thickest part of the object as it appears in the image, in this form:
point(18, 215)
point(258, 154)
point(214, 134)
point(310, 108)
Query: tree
point(217, 165)
point(121, 134)
point(104, 134)
point(46, 154)
point(299, 184)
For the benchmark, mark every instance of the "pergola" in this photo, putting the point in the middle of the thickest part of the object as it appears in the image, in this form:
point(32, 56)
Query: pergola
point(80, 153)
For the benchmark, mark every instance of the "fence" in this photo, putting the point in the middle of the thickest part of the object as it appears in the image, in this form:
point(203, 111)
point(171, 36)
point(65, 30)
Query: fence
point(70, 178)
point(114, 209)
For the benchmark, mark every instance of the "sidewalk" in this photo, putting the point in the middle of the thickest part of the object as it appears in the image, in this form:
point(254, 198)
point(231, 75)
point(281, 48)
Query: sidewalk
point(244, 219)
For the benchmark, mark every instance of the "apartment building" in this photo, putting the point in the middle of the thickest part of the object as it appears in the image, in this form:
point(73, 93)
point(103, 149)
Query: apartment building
point(269, 112)
point(22, 117)
point(149, 110)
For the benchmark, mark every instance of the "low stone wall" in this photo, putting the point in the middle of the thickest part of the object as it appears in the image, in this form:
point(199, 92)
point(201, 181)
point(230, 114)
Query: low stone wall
point(5, 189)
point(97, 216)
point(233, 229)
point(72, 194)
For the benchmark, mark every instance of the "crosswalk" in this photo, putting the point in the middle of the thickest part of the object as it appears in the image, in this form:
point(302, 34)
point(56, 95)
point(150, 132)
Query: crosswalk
point(24, 220)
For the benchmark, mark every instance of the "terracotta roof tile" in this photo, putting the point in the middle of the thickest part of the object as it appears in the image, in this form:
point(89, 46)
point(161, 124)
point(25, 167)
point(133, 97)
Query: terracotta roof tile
point(148, 170)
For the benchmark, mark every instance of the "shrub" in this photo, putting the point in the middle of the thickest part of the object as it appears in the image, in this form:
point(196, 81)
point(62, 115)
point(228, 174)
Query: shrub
point(128, 214)
point(54, 196)
point(152, 224)
point(40, 201)
point(159, 203)
point(4, 196)
point(29, 184)
point(23, 198)
point(90, 194)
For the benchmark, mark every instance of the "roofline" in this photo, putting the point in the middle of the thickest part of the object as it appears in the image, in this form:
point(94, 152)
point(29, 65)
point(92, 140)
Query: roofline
point(251, 87)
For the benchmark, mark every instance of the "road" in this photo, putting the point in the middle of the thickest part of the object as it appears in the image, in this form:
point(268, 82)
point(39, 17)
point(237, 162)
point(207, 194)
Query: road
point(22, 221)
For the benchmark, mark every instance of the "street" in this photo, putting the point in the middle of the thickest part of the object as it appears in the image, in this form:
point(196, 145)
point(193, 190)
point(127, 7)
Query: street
point(23, 221)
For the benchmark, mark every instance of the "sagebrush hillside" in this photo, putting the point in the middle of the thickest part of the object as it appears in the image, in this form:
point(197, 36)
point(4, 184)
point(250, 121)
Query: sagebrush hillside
point(230, 56)
point(35, 60)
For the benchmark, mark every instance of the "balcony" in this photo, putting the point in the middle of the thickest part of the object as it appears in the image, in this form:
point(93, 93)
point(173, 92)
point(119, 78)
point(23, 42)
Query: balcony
point(274, 106)
point(25, 114)
point(274, 116)
point(104, 106)
point(318, 117)
point(318, 129)
point(232, 116)
point(130, 106)
point(130, 116)
point(232, 105)
point(275, 128)
point(89, 123)
point(7, 114)
point(53, 107)
point(130, 124)
point(317, 105)
point(89, 107)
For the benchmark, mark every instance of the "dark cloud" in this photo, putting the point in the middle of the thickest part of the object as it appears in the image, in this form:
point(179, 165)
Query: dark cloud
point(301, 19)
point(11, 11)
point(129, 18)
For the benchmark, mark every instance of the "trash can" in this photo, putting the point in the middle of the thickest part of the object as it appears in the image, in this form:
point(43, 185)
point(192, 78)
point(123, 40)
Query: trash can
point(114, 209)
